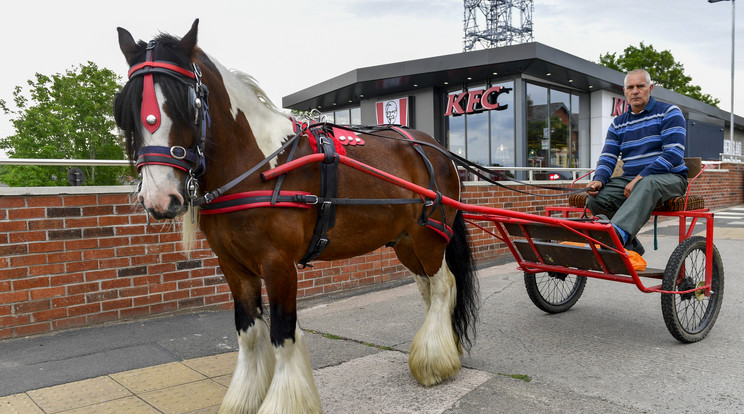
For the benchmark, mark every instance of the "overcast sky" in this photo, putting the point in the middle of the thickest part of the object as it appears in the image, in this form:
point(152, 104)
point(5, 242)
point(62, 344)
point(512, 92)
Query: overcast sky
point(288, 45)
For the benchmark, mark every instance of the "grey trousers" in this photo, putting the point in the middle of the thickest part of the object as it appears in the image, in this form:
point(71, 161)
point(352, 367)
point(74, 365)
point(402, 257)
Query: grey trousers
point(632, 213)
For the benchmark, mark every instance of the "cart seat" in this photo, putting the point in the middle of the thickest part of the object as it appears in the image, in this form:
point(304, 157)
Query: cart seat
point(694, 202)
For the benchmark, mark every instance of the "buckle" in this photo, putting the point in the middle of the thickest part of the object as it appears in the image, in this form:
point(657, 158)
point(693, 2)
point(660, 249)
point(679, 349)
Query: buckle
point(178, 152)
point(314, 201)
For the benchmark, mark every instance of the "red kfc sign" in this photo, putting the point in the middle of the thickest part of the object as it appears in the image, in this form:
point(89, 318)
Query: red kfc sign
point(619, 106)
point(475, 100)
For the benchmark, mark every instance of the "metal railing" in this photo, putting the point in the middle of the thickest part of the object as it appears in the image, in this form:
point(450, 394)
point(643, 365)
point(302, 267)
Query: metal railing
point(567, 174)
point(63, 162)
point(530, 174)
point(537, 174)
point(733, 158)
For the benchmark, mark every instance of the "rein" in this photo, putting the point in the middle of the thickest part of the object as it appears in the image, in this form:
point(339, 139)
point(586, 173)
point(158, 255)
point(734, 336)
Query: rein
point(468, 165)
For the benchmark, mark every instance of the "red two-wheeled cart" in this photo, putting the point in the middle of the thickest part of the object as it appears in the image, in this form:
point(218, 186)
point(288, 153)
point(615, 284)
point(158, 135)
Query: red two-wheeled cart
point(556, 268)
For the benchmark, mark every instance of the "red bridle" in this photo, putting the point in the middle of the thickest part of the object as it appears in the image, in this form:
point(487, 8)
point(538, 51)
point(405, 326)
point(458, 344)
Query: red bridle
point(150, 112)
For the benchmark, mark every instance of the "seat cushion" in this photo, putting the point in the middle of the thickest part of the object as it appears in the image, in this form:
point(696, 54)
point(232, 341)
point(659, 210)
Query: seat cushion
point(694, 202)
point(577, 200)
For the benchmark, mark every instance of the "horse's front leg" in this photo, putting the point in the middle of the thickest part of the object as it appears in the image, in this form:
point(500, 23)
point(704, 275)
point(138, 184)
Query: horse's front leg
point(255, 368)
point(292, 389)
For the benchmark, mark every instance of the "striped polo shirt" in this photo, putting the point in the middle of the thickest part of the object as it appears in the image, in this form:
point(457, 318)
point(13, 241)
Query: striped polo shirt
point(649, 142)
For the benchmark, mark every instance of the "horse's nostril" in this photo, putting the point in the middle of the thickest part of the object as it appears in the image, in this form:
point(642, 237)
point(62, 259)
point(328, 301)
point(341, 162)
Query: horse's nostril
point(175, 205)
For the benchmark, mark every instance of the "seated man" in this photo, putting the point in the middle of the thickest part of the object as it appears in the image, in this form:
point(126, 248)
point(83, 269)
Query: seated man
point(650, 137)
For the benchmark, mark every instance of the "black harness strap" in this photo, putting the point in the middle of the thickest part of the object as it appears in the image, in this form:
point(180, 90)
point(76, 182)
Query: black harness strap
point(430, 206)
point(328, 192)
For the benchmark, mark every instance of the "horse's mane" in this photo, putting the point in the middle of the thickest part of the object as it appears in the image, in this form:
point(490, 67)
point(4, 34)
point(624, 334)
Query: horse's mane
point(269, 124)
point(250, 82)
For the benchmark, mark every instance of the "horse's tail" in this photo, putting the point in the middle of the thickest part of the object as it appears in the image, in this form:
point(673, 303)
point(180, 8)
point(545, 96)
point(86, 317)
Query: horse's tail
point(460, 261)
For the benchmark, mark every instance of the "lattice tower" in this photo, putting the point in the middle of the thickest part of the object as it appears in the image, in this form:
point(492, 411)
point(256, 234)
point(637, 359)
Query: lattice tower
point(506, 22)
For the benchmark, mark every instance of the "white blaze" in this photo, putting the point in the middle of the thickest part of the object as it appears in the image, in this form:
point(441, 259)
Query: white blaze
point(159, 182)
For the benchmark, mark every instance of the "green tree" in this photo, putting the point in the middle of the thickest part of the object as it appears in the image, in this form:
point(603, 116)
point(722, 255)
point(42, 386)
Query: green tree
point(64, 116)
point(664, 70)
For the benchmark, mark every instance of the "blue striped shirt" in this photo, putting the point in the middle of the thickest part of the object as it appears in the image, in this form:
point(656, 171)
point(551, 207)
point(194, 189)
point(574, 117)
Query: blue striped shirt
point(650, 142)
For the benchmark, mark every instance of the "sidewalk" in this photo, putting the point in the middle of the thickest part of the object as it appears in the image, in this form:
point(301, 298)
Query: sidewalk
point(610, 353)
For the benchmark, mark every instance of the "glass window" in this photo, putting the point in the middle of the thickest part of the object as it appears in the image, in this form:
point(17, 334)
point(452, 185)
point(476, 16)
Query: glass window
point(341, 117)
point(356, 116)
point(552, 127)
point(456, 134)
point(573, 143)
point(559, 123)
point(478, 138)
point(502, 129)
point(538, 135)
point(455, 127)
point(477, 132)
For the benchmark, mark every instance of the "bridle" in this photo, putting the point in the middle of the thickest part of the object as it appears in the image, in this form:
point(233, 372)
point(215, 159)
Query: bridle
point(189, 160)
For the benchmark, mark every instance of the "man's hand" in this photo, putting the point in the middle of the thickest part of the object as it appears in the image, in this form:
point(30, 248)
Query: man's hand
point(629, 187)
point(593, 188)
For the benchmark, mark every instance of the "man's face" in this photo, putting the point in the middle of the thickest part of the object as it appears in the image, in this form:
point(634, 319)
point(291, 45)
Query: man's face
point(637, 91)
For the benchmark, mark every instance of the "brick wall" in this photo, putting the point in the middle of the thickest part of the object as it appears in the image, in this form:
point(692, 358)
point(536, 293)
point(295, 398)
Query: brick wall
point(70, 260)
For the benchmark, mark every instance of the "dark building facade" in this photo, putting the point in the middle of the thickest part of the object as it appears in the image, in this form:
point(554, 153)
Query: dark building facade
point(526, 105)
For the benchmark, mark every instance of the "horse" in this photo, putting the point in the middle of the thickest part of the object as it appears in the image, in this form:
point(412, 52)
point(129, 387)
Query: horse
point(191, 126)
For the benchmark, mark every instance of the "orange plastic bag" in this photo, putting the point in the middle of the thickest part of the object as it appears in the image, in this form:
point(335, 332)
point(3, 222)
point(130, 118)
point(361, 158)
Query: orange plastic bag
point(639, 264)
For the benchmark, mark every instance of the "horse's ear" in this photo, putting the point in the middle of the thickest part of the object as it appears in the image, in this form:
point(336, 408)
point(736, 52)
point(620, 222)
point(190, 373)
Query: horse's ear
point(127, 45)
point(188, 42)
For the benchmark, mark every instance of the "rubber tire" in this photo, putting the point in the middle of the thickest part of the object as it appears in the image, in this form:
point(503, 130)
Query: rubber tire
point(691, 254)
point(542, 288)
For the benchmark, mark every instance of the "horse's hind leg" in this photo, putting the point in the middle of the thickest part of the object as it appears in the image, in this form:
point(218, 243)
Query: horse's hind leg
point(292, 389)
point(435, 352)
point(255, 367)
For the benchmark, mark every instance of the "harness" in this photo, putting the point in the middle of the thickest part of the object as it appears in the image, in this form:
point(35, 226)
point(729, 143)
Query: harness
point(327, 200)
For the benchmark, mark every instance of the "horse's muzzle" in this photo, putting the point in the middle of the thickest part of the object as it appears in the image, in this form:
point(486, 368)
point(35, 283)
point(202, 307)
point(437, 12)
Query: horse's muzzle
point(175, 209)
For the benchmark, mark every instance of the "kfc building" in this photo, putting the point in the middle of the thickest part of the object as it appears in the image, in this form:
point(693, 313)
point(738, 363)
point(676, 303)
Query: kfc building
point(525, 105)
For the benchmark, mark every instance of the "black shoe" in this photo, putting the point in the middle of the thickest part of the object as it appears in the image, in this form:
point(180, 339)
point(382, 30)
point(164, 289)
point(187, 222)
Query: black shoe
point(635, 245)
point(603, 218)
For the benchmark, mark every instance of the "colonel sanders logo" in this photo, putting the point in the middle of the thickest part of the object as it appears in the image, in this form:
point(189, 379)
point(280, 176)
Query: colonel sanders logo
point(393, 111)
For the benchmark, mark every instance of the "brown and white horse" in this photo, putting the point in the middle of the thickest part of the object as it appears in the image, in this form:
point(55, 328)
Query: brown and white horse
point(192, 126)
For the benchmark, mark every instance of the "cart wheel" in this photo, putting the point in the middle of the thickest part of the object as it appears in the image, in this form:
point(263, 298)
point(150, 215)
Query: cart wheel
point(689, 317)
point(554, 292)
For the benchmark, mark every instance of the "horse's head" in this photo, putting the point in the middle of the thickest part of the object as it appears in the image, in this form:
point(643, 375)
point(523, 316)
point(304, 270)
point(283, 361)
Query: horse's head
point(162, 111)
